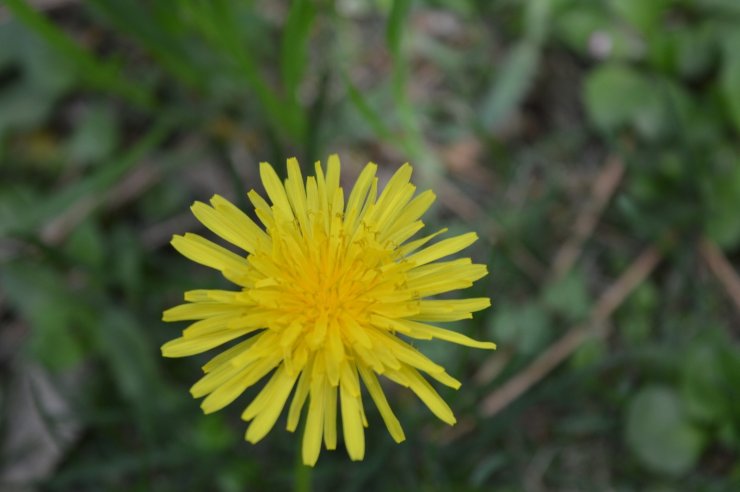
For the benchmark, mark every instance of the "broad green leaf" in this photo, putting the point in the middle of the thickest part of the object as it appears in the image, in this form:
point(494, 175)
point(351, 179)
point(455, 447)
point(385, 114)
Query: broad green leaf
point(658, 432)
point(589, 353)
point(644, 15)
point(569, 296)
point(592, 32)
point(525, 327)
point(696, 51)
point(730, 78)
point(723, 197)
point(614, 94)
point(576, 25)
point(702, 384)
point(617, 96)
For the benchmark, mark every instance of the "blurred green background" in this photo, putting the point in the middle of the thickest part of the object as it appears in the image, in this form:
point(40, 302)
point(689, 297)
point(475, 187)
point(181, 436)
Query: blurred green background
point(593, 144)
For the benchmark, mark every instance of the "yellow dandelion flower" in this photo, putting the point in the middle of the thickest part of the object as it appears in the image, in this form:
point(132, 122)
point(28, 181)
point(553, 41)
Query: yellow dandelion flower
point(329, 291)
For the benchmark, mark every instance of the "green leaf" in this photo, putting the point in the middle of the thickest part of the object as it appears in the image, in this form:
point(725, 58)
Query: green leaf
point(658, 431)
point(396, 20)
point(589, 353)
point(23, 107)
point(617, 96)
point(696, 51)
point(721, 7)
point(643, 15)
point(511, 85)
point(126, 271)
point(102, 75)
point(295, 44)
point(580, 28)
point(366, 111)
point(702, 384)
point(576, 25)
point(86, 245)
point(59, 320)
point(569, 296)
point(614, 93)
point(130, 356)
point(29, 219)
point(95, 137)
point(723, 197)
point(525, 327)
point(730, 78)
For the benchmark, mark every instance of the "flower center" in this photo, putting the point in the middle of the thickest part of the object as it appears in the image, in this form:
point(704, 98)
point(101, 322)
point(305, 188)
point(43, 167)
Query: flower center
point(334, 292)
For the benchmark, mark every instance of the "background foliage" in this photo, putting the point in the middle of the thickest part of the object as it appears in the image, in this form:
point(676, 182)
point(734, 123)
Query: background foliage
point(593, 144)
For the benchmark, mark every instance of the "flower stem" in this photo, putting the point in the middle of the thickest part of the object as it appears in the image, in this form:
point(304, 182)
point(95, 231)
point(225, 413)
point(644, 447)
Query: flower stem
point(301, 473)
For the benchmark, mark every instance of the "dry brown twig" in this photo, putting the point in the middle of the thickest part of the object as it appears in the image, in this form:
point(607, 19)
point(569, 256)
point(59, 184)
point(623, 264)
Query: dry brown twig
point(609, 301)
point(722, 269)
point(603, 189)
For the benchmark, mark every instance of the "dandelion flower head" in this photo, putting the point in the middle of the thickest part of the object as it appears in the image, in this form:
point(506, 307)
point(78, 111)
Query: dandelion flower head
point(329, 292)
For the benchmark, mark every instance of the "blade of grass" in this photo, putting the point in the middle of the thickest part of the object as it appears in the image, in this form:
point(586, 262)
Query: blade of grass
point(217, 21)
point(515, 76)
point(511, 85)
point(315, 116)
point(394, 31)
point(368, 113)
point(148, 29)
point(293, 56)
point(28, 220)
point(412, 138)
point(99, 74)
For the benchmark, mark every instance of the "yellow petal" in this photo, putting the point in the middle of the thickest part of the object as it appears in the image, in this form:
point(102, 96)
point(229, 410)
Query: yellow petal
point(225, 225)
point(424, 331)
point(443, 248)
point(227, 355)
point(330, 418)
point(299, 398)
point(449, 309)
point(376, 392)
point(212, 295)
point(354, 434)
point(198, 310)
point(184, 346)
point(275, 190)
point(251, 235)
point(228, 392)
point(314, 423)
point(427, 394)
point(203, 251)
point(358, 195)
point(409, 248)
point(296, 193)
point(265, 420)
point(413, 211)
